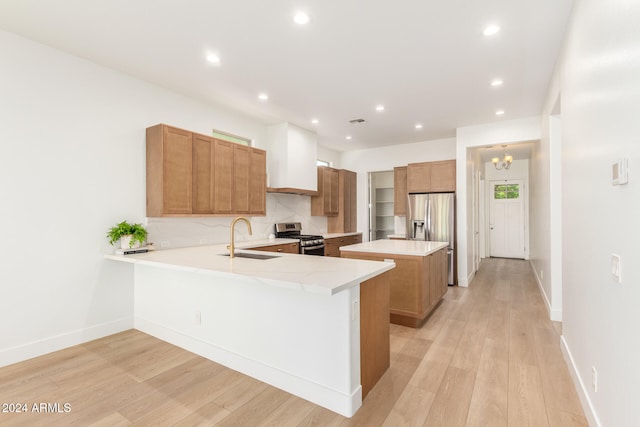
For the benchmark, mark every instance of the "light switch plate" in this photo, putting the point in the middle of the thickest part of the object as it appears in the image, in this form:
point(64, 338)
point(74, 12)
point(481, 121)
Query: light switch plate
point(616, 267)
point(619, 172)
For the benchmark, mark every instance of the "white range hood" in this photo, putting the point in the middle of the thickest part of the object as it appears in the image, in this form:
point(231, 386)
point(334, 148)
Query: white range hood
point(292, 153)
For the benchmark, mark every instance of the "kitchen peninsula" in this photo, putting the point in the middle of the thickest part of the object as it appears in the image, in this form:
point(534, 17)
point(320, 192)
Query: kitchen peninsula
point(419, 280)
point(298, 322)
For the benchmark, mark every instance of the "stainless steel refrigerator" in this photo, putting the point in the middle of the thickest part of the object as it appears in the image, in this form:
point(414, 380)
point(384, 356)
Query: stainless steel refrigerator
point(431, 217)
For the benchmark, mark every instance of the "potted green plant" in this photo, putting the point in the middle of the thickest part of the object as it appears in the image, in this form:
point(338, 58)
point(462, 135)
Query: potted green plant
point(130, 235)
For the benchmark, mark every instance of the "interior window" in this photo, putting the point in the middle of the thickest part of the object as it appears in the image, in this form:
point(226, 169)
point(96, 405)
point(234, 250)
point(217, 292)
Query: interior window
point(217, 134)
point(322, 163)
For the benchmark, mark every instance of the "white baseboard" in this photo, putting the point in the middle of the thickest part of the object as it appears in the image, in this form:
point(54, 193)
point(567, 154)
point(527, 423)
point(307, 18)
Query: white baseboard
point(554, 313)
point(33, 349)
point(336, 401)
point(587, 405)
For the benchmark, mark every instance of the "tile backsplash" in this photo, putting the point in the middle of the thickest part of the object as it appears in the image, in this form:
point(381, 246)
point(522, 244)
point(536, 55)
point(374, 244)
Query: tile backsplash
point(168, 233)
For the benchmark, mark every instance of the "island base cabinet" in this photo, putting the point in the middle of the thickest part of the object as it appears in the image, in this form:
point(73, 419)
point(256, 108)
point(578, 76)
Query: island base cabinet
point(416, 284)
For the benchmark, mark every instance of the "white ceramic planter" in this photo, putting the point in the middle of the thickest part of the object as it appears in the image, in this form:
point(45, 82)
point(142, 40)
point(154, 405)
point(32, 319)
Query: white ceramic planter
point(125, 241)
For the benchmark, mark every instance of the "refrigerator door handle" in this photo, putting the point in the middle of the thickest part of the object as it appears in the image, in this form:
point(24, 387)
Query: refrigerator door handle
point(427, 232)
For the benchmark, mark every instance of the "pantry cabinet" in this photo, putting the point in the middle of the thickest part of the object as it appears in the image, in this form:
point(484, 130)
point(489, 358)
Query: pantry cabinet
point(326, 202)
point(194, 174)
point(346, 218)
point(400, 191)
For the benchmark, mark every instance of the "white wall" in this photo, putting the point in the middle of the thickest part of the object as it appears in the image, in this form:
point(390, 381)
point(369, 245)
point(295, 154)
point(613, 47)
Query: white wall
point(545, 207)
point(599, 83)
point(502, 132)
point(72, 156)
point(385, 159)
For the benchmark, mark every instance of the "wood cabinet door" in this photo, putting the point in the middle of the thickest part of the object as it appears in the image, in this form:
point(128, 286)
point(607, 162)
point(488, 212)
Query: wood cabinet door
point(257, 181)
point(400, 191)
point(351, 202)
point(443, 176)
point(177, 166)
point(223, 177)
point(240, 178)
point(419, 177)
point(331, 196)
point(202, 159)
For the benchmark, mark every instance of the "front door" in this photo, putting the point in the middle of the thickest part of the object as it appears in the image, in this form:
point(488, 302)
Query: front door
point(506, 219)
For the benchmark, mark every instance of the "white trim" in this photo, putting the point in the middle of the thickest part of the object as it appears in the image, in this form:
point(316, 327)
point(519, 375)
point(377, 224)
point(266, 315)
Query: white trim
point(62, 341)
point(464, 281)
point(554, 314)
point(333, 400)
point(587, 405)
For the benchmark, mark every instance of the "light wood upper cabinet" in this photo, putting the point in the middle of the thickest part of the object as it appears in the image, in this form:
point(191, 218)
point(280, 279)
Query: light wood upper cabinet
point(346, 219)
point(257, 182)
point(419, 178)
point(431, 177)
point(223, 177)
point(169, 171)
point(400, 191)
point(443, 176)
point(241, 178)
point(202, 159)
point(326, 202)
point(193, 174)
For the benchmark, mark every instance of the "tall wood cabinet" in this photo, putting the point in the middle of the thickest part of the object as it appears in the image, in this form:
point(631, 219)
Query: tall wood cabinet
point(326, 202)
point(193, 174)
point(346, 219)
point(400, 190)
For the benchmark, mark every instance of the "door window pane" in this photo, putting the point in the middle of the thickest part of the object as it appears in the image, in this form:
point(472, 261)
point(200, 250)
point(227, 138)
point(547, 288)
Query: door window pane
point(503, 191)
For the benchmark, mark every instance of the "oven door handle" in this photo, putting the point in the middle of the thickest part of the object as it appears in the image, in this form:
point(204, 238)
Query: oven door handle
point(311, 248)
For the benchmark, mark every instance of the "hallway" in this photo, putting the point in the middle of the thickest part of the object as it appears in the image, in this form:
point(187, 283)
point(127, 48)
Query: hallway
point(488, 356)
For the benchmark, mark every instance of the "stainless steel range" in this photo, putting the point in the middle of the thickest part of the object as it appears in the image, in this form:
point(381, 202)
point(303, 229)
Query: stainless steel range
point(309, 244)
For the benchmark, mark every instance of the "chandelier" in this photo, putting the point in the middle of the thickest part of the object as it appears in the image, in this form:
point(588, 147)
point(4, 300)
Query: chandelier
point(506, 160)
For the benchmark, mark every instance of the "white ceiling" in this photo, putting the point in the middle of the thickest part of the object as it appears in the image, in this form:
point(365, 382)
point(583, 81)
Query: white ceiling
point(425, 60)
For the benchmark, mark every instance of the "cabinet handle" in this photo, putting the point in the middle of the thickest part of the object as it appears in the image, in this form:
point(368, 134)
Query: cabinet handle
point(280, 249)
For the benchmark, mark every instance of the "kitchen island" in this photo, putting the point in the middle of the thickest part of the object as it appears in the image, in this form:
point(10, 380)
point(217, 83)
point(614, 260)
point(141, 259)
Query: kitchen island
point(292, 321)
point(418, 282)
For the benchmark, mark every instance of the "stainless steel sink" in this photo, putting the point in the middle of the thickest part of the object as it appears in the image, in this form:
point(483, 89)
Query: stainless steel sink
point(251, 255)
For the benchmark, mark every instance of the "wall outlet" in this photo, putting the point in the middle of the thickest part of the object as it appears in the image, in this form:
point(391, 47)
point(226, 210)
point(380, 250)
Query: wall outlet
point(165, 244)
point(594, 379)
point(197, 319)
point(541, 274)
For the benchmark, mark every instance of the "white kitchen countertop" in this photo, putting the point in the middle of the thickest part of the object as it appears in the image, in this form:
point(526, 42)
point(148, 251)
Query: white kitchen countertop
point(397, 247)
point(316, 274)
point(334, 235)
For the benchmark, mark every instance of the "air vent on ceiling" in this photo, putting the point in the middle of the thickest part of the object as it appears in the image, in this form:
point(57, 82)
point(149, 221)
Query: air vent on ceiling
point(357, 121)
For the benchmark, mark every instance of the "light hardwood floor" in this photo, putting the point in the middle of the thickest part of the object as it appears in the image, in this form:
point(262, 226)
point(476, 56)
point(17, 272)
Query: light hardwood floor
point(488, 356)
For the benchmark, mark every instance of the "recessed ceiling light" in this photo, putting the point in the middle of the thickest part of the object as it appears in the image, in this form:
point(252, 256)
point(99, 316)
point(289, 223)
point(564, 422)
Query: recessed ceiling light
point(213, 58)
point(379, 107)
point(499, 112)
point(491, 30)
point(301, 18)
point(263, 97)
point(418, 126)
point(496, 82)
point(348, 137)
point(315, 121)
